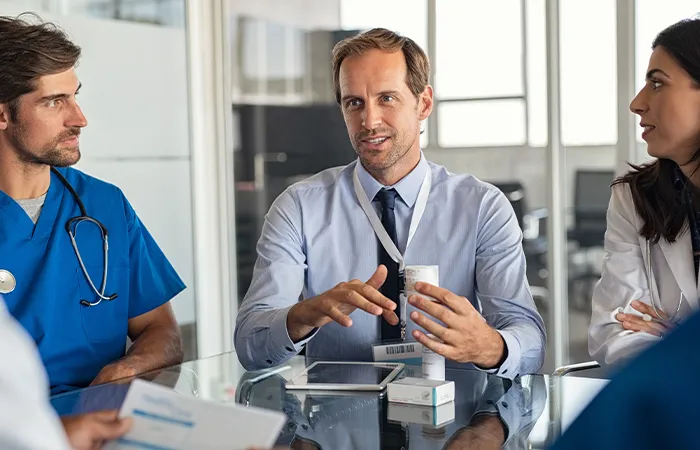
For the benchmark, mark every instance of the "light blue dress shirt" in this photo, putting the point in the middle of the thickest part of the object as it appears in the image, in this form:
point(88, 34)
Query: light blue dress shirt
point(316, 236)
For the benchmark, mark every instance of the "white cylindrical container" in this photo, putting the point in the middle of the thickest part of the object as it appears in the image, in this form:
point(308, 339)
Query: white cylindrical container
point(433, 364)
point(426, 274)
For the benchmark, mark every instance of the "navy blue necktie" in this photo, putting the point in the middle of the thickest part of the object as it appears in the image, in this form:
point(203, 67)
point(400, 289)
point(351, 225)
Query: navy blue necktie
point(390, 288)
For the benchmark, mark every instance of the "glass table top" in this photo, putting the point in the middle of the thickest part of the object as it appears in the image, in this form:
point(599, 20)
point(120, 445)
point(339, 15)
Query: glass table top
point(488, 411)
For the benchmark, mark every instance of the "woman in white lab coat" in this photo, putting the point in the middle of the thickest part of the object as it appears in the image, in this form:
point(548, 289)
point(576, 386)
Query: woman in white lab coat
point(649, 278)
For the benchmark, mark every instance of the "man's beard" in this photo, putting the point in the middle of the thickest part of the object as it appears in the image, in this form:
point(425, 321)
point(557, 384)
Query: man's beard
point(49, 154)
point(398, 150)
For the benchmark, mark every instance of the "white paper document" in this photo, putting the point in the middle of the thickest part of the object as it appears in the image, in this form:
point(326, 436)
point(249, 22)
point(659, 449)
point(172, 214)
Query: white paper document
point(166, 420)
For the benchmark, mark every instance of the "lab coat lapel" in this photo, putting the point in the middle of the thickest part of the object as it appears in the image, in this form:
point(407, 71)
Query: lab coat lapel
point(679, 256)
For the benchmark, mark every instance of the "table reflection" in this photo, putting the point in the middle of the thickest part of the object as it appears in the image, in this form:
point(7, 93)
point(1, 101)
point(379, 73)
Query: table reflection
point(488, 411)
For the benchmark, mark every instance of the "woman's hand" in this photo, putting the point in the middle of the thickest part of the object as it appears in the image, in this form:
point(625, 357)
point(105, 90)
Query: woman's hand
point(650, 322)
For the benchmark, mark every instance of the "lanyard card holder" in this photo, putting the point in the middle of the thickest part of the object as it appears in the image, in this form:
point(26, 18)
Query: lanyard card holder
point(409, 353)
point(403, 304)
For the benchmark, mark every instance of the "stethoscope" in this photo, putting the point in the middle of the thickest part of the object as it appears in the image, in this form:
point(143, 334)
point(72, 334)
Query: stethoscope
point(650, 285)
point(72, 229)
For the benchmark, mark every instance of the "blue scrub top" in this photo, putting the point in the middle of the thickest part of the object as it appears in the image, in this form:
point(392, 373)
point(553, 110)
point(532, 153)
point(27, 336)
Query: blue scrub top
point(75, 342)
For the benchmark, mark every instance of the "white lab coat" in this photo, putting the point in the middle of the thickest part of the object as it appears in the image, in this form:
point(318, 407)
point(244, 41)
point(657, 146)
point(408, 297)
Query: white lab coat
point(27, 420)
point(624, 279)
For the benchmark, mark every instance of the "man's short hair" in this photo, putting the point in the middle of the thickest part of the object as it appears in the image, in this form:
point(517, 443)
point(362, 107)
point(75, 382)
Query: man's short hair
point(28, 51)
point(417, 63)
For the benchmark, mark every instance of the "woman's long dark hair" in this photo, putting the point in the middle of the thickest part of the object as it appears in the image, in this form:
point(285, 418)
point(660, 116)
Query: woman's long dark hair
point(661, 206)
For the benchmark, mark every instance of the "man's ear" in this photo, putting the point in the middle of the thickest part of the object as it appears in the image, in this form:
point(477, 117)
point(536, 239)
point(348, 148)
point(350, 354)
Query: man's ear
point(4, 116)
point(426, 103)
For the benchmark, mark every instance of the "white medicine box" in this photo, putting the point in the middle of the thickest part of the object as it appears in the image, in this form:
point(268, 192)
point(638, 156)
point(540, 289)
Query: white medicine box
point(420, 391)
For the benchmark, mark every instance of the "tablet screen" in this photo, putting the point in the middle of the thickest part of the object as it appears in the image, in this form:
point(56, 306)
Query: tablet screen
point(330, 373)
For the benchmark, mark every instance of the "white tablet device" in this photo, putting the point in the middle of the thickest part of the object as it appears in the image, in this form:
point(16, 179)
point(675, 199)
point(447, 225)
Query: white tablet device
point(346, 376)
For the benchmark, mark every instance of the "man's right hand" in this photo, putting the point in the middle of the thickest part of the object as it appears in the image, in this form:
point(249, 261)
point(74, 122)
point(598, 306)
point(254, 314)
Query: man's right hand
point(91, 431)
point(337, 304)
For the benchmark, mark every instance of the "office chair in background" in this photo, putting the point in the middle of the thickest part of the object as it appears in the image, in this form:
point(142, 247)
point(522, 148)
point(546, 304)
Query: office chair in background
point(533, 225)
point(591, 198)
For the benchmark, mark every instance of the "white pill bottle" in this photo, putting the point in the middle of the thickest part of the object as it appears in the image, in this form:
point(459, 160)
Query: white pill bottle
point(433, 363)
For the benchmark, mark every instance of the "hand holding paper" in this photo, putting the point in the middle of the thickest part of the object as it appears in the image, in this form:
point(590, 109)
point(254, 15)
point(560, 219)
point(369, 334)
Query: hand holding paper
point(164, 419)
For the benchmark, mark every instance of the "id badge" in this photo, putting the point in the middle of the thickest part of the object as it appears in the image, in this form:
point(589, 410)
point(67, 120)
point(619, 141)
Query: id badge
point(406, 352)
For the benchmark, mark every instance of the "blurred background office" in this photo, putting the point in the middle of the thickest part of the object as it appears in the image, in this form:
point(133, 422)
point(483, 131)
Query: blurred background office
point(203, 111)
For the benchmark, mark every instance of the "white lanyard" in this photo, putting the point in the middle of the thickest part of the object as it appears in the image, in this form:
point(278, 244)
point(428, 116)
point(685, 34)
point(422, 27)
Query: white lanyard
point(379, 230)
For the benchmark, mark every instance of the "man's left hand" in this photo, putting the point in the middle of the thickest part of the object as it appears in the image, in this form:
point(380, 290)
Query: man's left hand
point(113, 372)
point(466, 337)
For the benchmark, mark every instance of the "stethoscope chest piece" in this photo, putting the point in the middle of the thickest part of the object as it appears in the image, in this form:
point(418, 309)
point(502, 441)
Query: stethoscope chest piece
point(7, 282)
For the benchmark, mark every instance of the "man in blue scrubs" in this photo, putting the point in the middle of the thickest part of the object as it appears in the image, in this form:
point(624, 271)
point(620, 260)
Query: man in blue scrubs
point(54, 287)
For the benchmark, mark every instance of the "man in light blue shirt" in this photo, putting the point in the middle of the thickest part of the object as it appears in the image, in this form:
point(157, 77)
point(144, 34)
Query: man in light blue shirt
point(317, 236)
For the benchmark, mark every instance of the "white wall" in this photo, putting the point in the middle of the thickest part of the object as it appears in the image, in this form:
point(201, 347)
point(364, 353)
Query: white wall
point(14, 7)
point(135, 98)
point(305, 14)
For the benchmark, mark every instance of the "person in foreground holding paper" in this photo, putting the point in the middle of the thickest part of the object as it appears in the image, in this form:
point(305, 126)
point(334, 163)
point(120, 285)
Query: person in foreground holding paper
point(649, 279)
point(27, 421)
point(166, 419)
point(318, 241)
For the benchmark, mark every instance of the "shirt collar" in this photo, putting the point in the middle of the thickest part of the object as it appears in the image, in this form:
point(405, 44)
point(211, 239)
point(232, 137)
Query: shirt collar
point(679, 179)
point(407, 188)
